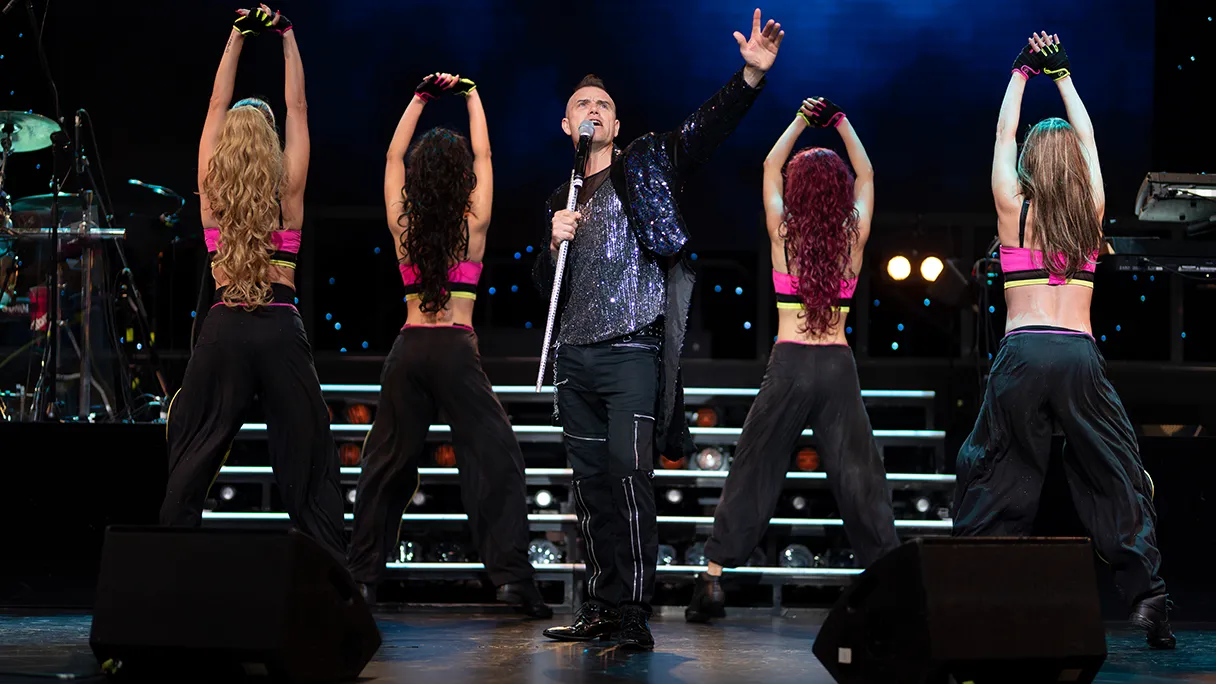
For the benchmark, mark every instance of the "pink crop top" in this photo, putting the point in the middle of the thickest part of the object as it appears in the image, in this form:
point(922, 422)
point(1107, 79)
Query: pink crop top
point(286, 245)
point(786, 287)
point(462, 280)
point(1024, 266)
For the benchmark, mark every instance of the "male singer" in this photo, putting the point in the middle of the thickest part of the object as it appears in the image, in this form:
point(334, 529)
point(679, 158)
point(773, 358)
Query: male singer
point(622, 313)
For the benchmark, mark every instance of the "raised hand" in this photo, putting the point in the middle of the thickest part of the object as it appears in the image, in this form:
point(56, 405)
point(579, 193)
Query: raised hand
point(435, 85)
point(278, 23)
point(1055, 59)
point(760, 50)
point(820, 112)
point(464, 86)
point(253, 23)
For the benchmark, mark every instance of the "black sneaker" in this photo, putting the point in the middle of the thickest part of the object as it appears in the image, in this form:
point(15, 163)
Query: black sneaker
point(1153, 616)
point(708, 600)
point(526, 598)
point(634, 631)
point(593, 621)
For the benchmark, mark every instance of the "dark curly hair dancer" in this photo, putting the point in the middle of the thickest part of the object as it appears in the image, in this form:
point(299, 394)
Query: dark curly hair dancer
point(437, 203)
point(818, 219)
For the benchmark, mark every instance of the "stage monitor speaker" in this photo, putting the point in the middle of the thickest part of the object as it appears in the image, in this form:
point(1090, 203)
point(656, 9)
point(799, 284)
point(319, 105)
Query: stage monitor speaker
point(958, 610)
point(177, 603)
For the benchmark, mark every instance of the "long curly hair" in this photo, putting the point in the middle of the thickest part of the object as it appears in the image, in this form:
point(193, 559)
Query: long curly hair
point(439, 182)
point(820, 230)
point(1053, 173)
point(243, 183)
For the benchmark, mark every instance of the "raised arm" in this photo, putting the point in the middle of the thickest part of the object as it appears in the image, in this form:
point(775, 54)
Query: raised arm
point(1005, 152)
point(394, 162)
point(221, 98)
point(483, 170)
point(1078, 118)
point(298, 148)
point(774, 181)
point(863, 170)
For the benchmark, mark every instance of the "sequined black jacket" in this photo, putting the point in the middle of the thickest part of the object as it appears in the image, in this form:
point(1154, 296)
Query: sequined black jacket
point(648, 175)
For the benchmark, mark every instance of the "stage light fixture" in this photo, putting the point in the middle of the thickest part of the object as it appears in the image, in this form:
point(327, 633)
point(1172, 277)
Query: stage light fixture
point(842, 558)
point(359, 414)
point(695, 554)
point(922, 505)
point(808, 459)
point(931, 268)
point(706, 417)
point(899, 267)
point(668, 464)
point(351, 495)
point(796, 556)
point(227, 493)
point(667, 554)
point(349, 454)
point(544, 552)
point(419, 499)
point(543, 498)
point(798, 502)
point(711, 459)
point(407, 552)
point(451, 552)
point(674, 496)
point(758, 559)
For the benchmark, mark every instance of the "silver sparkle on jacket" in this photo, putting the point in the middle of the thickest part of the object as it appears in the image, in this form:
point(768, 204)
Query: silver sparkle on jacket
point(615, 287)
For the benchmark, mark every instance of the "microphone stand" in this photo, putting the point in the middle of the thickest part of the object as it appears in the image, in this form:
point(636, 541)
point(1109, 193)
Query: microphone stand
point(576, 183)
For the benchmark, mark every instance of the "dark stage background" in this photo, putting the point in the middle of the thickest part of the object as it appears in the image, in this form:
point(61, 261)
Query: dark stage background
point(921, 81)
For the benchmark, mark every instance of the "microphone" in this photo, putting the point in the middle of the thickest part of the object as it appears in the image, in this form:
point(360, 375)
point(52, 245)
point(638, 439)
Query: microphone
point(8, 7)
point(585, 132)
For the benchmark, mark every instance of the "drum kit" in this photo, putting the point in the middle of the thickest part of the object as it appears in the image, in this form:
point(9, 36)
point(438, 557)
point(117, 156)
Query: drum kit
point(70, 223)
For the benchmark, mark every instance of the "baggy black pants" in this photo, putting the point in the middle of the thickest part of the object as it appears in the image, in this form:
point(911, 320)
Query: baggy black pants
point(431, 370)
point(240, 354)
point(804, 385)
point(1038, 378)
point(607, 394)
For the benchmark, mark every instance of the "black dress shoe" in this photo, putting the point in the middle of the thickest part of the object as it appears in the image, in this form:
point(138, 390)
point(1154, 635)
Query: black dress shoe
point(1153, 616)
point(526, 598)
point(634, 631)
point(593, 621)
point(708, 600)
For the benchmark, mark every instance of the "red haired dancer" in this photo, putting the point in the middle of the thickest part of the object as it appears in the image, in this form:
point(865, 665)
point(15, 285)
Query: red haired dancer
point(818, 218)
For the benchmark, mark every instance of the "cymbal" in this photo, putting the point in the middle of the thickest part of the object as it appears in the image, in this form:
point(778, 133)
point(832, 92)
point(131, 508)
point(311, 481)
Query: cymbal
point(67, 200)
point(28, 132)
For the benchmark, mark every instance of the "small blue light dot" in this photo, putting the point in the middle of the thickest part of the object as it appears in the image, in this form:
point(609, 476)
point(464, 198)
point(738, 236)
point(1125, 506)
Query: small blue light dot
point(926, 301)
point(12, 92)
point(1135, 277)
point(1152, 278)
point(295, 300)
point(738, 290)
point(1, 56)
point(693, 256)
point(717, 288)
point(1104, 338)
point(329, 317)
point(1192, 58)
point(747, 325)
point(493, 290)
point(22, 35)
point(1142, 298)
point(343, 350)
point(37, 166)
point(518, 255)
point(1184, 336)
point(774, 338)
point(900, 327)
point(331, 281)
point(528, 324)
point(848, 330)
point(376, 250)
point(365, 345)
point(406, 299)
point(138, 346)
point(1118, 328)
point(337, 326)
point(515, 288)
point(528, 249)
point(894, 346)
point(193, 314)
point(989, 281)
point(875, 302)
point(992, 309)
point(989, 356)
point(1179, 67)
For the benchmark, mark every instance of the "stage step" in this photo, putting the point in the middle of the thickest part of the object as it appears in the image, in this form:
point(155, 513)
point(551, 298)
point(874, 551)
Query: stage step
point(554, 571)
point(692, 395)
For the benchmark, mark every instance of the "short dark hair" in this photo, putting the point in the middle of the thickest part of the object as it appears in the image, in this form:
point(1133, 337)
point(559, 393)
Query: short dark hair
point(590, 81)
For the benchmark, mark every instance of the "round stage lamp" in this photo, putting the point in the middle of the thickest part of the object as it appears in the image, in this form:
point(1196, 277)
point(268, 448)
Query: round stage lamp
point(543, 498)
point(808, 459)
point(445, 456)
point(544, 552)
point(798, 502)
point(797, 556)
point(711, 459)
point(668, 464)
point(349, 454)
point(674, 496)
point(667, 554)
point(419, 499)
point(922, 505)
point(758, 559)
point(706, 417)
point(899, 267)
point(359, 414)
point(227, 493)
point(695, 554)
point(931, 268)
point(351, 495)
point(407, 552)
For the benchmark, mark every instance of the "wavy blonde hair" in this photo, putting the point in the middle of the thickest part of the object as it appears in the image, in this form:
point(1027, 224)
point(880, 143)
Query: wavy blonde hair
point(1053, 173)
point(243, 184)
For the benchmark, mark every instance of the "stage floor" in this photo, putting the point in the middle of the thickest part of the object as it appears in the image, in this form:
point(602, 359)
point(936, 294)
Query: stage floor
point(454, 649)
